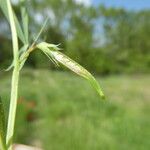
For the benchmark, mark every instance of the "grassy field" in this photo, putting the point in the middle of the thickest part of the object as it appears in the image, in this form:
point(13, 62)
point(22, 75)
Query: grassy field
point(60, 111)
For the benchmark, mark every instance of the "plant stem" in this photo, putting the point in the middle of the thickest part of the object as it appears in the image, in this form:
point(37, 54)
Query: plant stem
point(13, 106)
point(15, 79)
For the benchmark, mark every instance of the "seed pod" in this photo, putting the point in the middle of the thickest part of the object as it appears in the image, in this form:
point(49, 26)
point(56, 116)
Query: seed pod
point(52, 52)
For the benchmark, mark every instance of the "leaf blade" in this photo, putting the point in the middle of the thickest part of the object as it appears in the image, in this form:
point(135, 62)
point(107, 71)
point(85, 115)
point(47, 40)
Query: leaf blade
point(25, 20)
point(4, 9)
point(19, 30)
point(41, 30)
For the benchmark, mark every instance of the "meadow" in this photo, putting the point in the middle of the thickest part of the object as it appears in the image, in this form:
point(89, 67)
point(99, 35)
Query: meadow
point(60, 111)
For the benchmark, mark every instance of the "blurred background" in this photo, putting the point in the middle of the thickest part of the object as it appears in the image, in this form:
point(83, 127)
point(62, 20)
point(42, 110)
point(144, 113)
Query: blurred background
point(58, 110)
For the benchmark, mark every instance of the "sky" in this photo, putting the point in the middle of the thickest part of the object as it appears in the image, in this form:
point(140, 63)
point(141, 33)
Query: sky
point(127, 4)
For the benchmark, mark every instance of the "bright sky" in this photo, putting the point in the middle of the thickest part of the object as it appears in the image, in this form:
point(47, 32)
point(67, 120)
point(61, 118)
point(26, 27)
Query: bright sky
point(128, 4)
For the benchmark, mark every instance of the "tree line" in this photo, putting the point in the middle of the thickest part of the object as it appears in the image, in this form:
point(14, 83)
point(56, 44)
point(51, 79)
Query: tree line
point(104, 40)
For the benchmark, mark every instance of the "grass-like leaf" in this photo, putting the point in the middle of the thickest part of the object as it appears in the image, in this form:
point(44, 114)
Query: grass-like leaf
point(4, 8)
point(2, 127)
point(21, 51)
point(10, 66)
point(25, 20)
point(41, 30)
point(52, 51)
point(19, 30)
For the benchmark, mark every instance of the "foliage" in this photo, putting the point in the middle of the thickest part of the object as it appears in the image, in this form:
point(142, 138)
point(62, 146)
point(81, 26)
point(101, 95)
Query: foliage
point(60, 119)
point(20, 55)
point(127, 42)
point(92, 36)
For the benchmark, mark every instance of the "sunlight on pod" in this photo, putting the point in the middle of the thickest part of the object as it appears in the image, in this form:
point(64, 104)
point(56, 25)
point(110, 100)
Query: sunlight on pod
point(51, 51)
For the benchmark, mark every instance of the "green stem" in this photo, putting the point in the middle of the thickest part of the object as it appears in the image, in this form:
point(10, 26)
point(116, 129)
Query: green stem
point(13, 106)
point(13, 32)
point(15, 79)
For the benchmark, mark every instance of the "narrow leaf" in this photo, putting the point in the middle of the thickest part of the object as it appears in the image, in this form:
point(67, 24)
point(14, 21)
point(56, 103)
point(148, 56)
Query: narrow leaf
point(4, 9)
point(22, 50)
point(25, 20)
point(10, 66)
point(2, 127)
point(23, 54)
point(19, 30)
point(41, 30)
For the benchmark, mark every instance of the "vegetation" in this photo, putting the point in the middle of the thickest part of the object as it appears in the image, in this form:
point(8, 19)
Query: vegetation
point(104, 40)
point(60, 110)
point(57, 118)
point(20, 55)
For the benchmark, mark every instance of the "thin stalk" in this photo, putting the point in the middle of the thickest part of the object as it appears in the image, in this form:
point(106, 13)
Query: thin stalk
point(13, 106)
point(15, 79)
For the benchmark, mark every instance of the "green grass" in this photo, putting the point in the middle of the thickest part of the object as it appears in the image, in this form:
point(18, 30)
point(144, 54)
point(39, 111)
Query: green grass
point(59, 111)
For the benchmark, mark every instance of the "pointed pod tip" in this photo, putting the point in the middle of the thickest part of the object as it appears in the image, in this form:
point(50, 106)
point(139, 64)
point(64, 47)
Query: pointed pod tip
point(102, 95)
